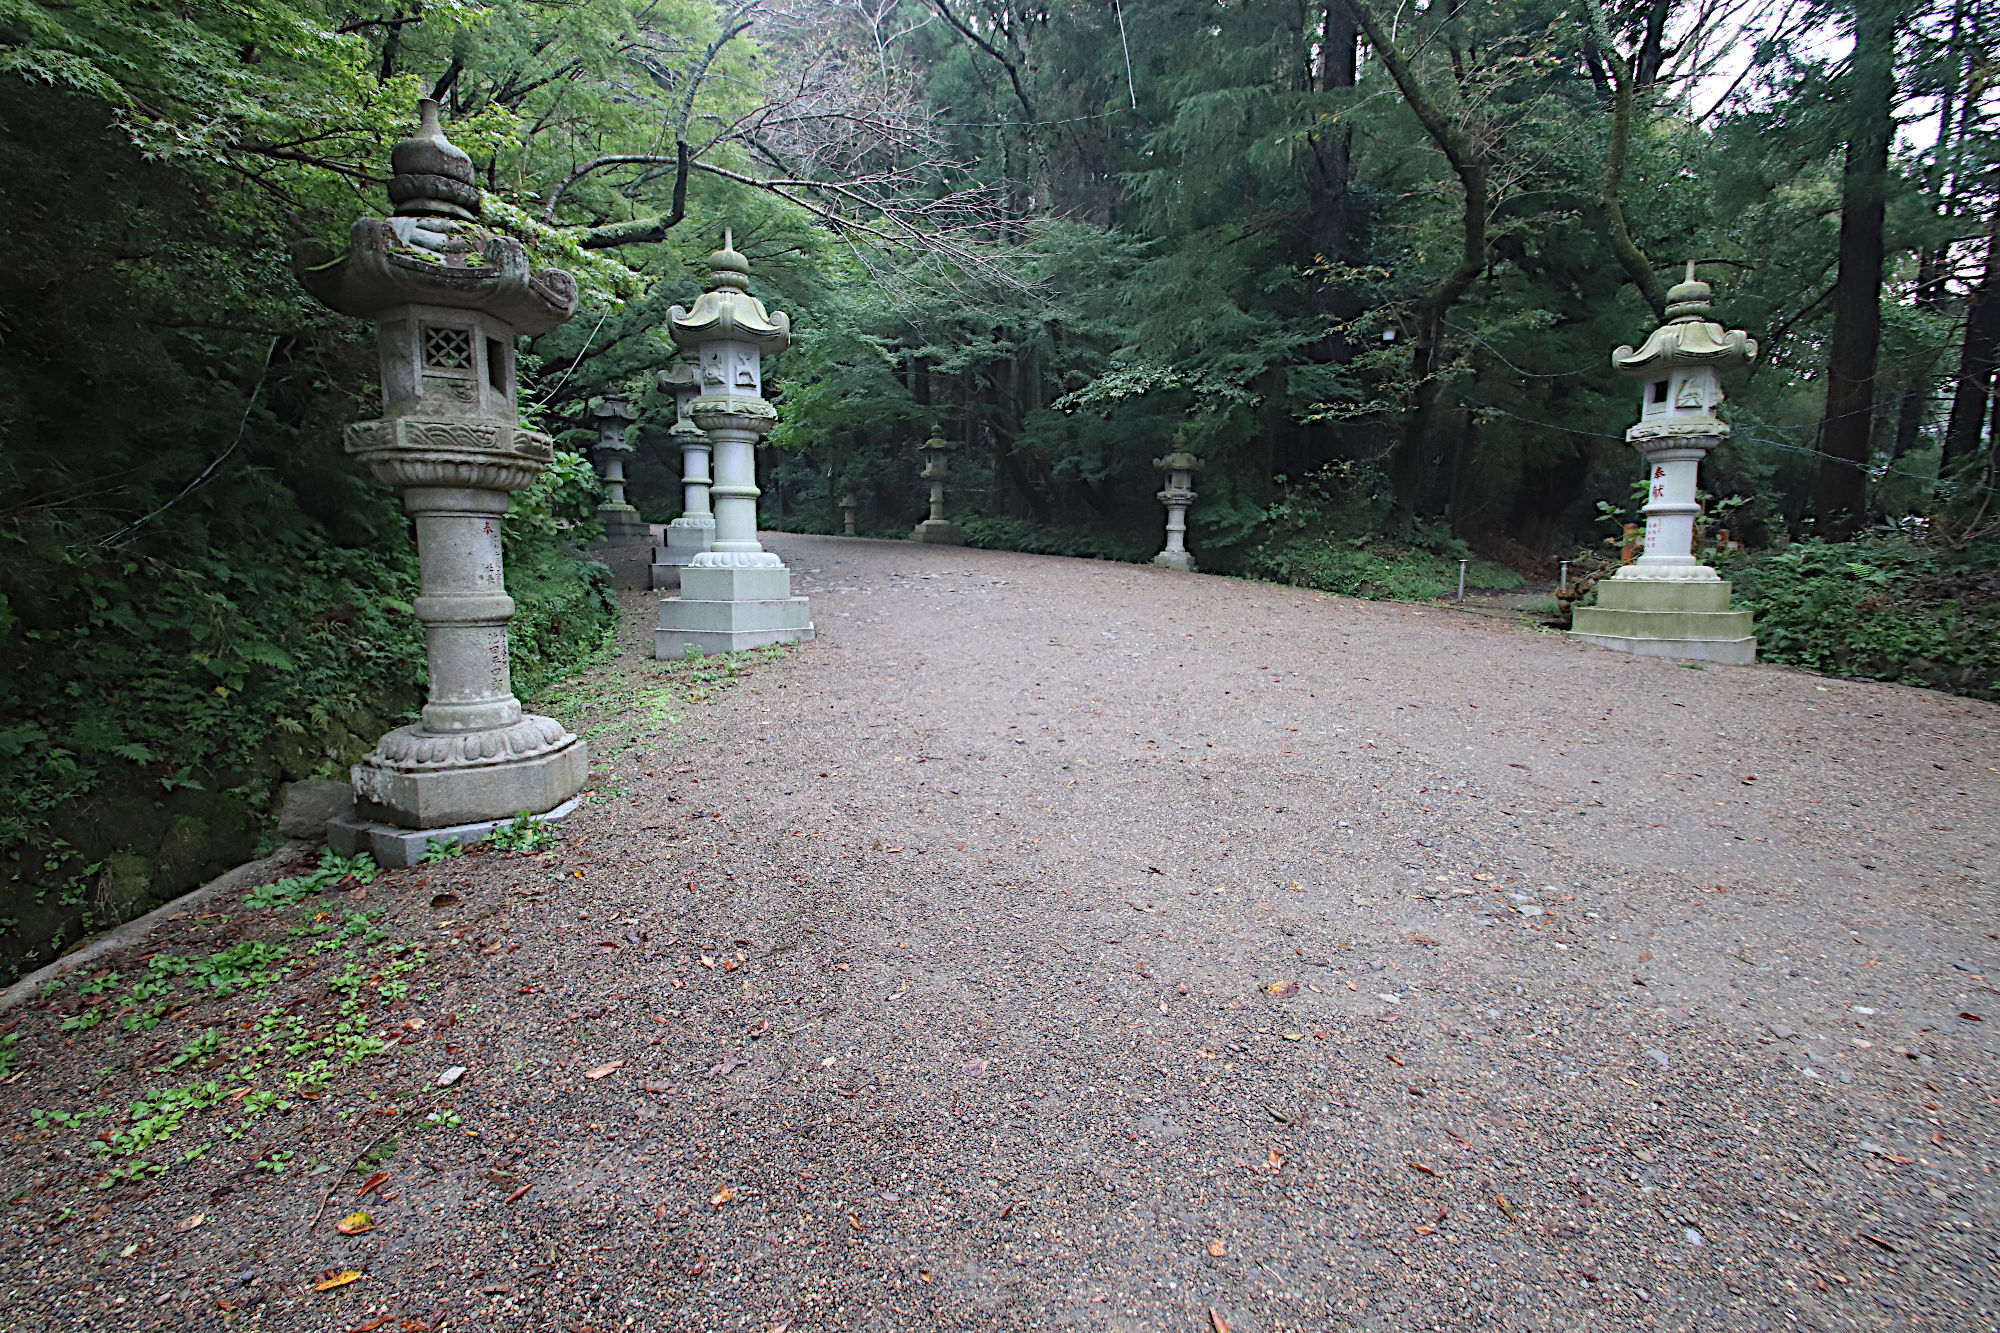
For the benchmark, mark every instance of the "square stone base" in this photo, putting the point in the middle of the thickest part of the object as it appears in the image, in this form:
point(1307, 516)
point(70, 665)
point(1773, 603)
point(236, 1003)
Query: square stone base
point(1180, 560)
point(448, 797)
point(622, 526)
point(1667, 618)
point(938, 532)
point(397, 848)
point(726, 610)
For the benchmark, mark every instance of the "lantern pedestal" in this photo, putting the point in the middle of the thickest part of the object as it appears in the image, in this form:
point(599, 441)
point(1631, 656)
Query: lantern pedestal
point(1687, 618)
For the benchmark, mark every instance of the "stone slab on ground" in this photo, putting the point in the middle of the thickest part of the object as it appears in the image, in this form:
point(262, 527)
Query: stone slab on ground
point(1111, 946)
point(305, 806)
point(400, 848)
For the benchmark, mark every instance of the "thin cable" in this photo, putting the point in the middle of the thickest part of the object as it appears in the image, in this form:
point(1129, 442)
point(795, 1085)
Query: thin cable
point(1131, 88)
point(544, 399)
point(208, 471)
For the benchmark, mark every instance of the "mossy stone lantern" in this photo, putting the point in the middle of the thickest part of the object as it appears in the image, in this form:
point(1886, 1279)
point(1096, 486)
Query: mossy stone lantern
point(937, 530)
point(736, 594)
point(1180, 467)
point(1667, 603)
point(694, 531)
point(622, 524)
point(449, 297)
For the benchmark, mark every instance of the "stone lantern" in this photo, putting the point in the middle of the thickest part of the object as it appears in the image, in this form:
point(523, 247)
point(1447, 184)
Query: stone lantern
point(622, 525)
point(694, 531)
point(937, 530)
point(846, 503)
point(735, 594)
point(1180, 467)
point(449, 297)
point(1666, 603)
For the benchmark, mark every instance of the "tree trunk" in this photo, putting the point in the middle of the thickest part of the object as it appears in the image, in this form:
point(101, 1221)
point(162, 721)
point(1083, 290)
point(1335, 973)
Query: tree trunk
point(1840, 499)
point(1976, 360)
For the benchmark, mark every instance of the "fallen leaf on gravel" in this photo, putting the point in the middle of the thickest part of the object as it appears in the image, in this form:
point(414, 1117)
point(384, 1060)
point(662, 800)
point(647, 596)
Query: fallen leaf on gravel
point(1972, 1018)
point(1415, 1165)
point(855, 1222)
point(1397, 1060)
point(1293, 1036)
point(725, 1067)
point(190, 1223)
point(1280, 990)
point(451, 1076)
point(656, 1088)
point(336, 1279)
point(444, 900)
point(519, 1192)
point(1216, 1249)
point(1277, 1115)
point(1874, 1239)
point(602, 1070)
point(354, 1224)
point(1216, 1323)
point(722, 1196)
point(1274, 1159)
point(371, 1325)
point(1506, 1207)
point(373, 1183)
point(708, 962)
point(975, 1066)
point(1425, 941)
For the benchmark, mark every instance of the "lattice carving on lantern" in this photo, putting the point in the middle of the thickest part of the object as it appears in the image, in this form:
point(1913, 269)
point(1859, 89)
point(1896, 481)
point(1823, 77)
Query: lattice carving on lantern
point(447, 349)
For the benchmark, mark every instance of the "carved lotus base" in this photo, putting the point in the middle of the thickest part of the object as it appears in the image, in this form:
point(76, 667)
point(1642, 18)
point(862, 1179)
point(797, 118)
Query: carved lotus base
point(420, 779)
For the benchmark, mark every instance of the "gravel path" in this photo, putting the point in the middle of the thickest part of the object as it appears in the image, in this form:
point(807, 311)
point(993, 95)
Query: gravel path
point(1057, 944)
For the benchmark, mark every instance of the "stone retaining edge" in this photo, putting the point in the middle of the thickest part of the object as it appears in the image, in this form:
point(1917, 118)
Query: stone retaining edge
point(119, 937)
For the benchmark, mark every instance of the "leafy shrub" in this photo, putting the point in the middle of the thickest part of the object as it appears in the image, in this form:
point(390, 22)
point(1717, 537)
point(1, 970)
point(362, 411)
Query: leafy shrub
point(1884, 607)
point(1018, 534)
point(1334, 533)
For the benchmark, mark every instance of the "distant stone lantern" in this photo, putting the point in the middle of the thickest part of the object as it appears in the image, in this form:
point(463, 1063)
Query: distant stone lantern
point(449, 297)
point(694, 531)
point(1180, 467)
point(846, 503)
point(937, 530)
point(735, 594)
point(621, 521)
point(1667, 603)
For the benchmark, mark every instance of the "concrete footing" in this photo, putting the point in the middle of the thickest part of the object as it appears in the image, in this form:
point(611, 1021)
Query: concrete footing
point(725, 610)
point(397, 848)
point(1668, 618)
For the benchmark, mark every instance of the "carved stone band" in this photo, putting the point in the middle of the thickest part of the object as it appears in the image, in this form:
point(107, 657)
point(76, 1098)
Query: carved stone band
point(411, 749)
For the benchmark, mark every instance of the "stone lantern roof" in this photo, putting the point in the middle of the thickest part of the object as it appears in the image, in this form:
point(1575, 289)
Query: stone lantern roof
point(611, 408)
point(937, 444)
point(681, 377)
point(1687, 338)
point(1178, 461)
point(432, 250)
point(727, 312)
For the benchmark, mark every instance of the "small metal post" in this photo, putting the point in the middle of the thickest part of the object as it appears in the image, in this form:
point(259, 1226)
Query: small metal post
point(1461, 578)
point(1563, 586)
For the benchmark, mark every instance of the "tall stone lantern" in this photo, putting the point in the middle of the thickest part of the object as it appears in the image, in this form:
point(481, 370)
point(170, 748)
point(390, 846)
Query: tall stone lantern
point(846, 503)
point(1180, 467)
point(937, 530)
point(694, 531)
point(1667, 603)
point(449, 297)
point(736, 594)
point(622, 525)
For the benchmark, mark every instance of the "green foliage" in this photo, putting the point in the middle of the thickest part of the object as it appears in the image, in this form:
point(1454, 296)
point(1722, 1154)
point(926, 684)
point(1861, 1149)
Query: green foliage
point(1882, 608)
point(1335, 533)
point(523, 835)
point(1015, 534)
point(333, 868)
